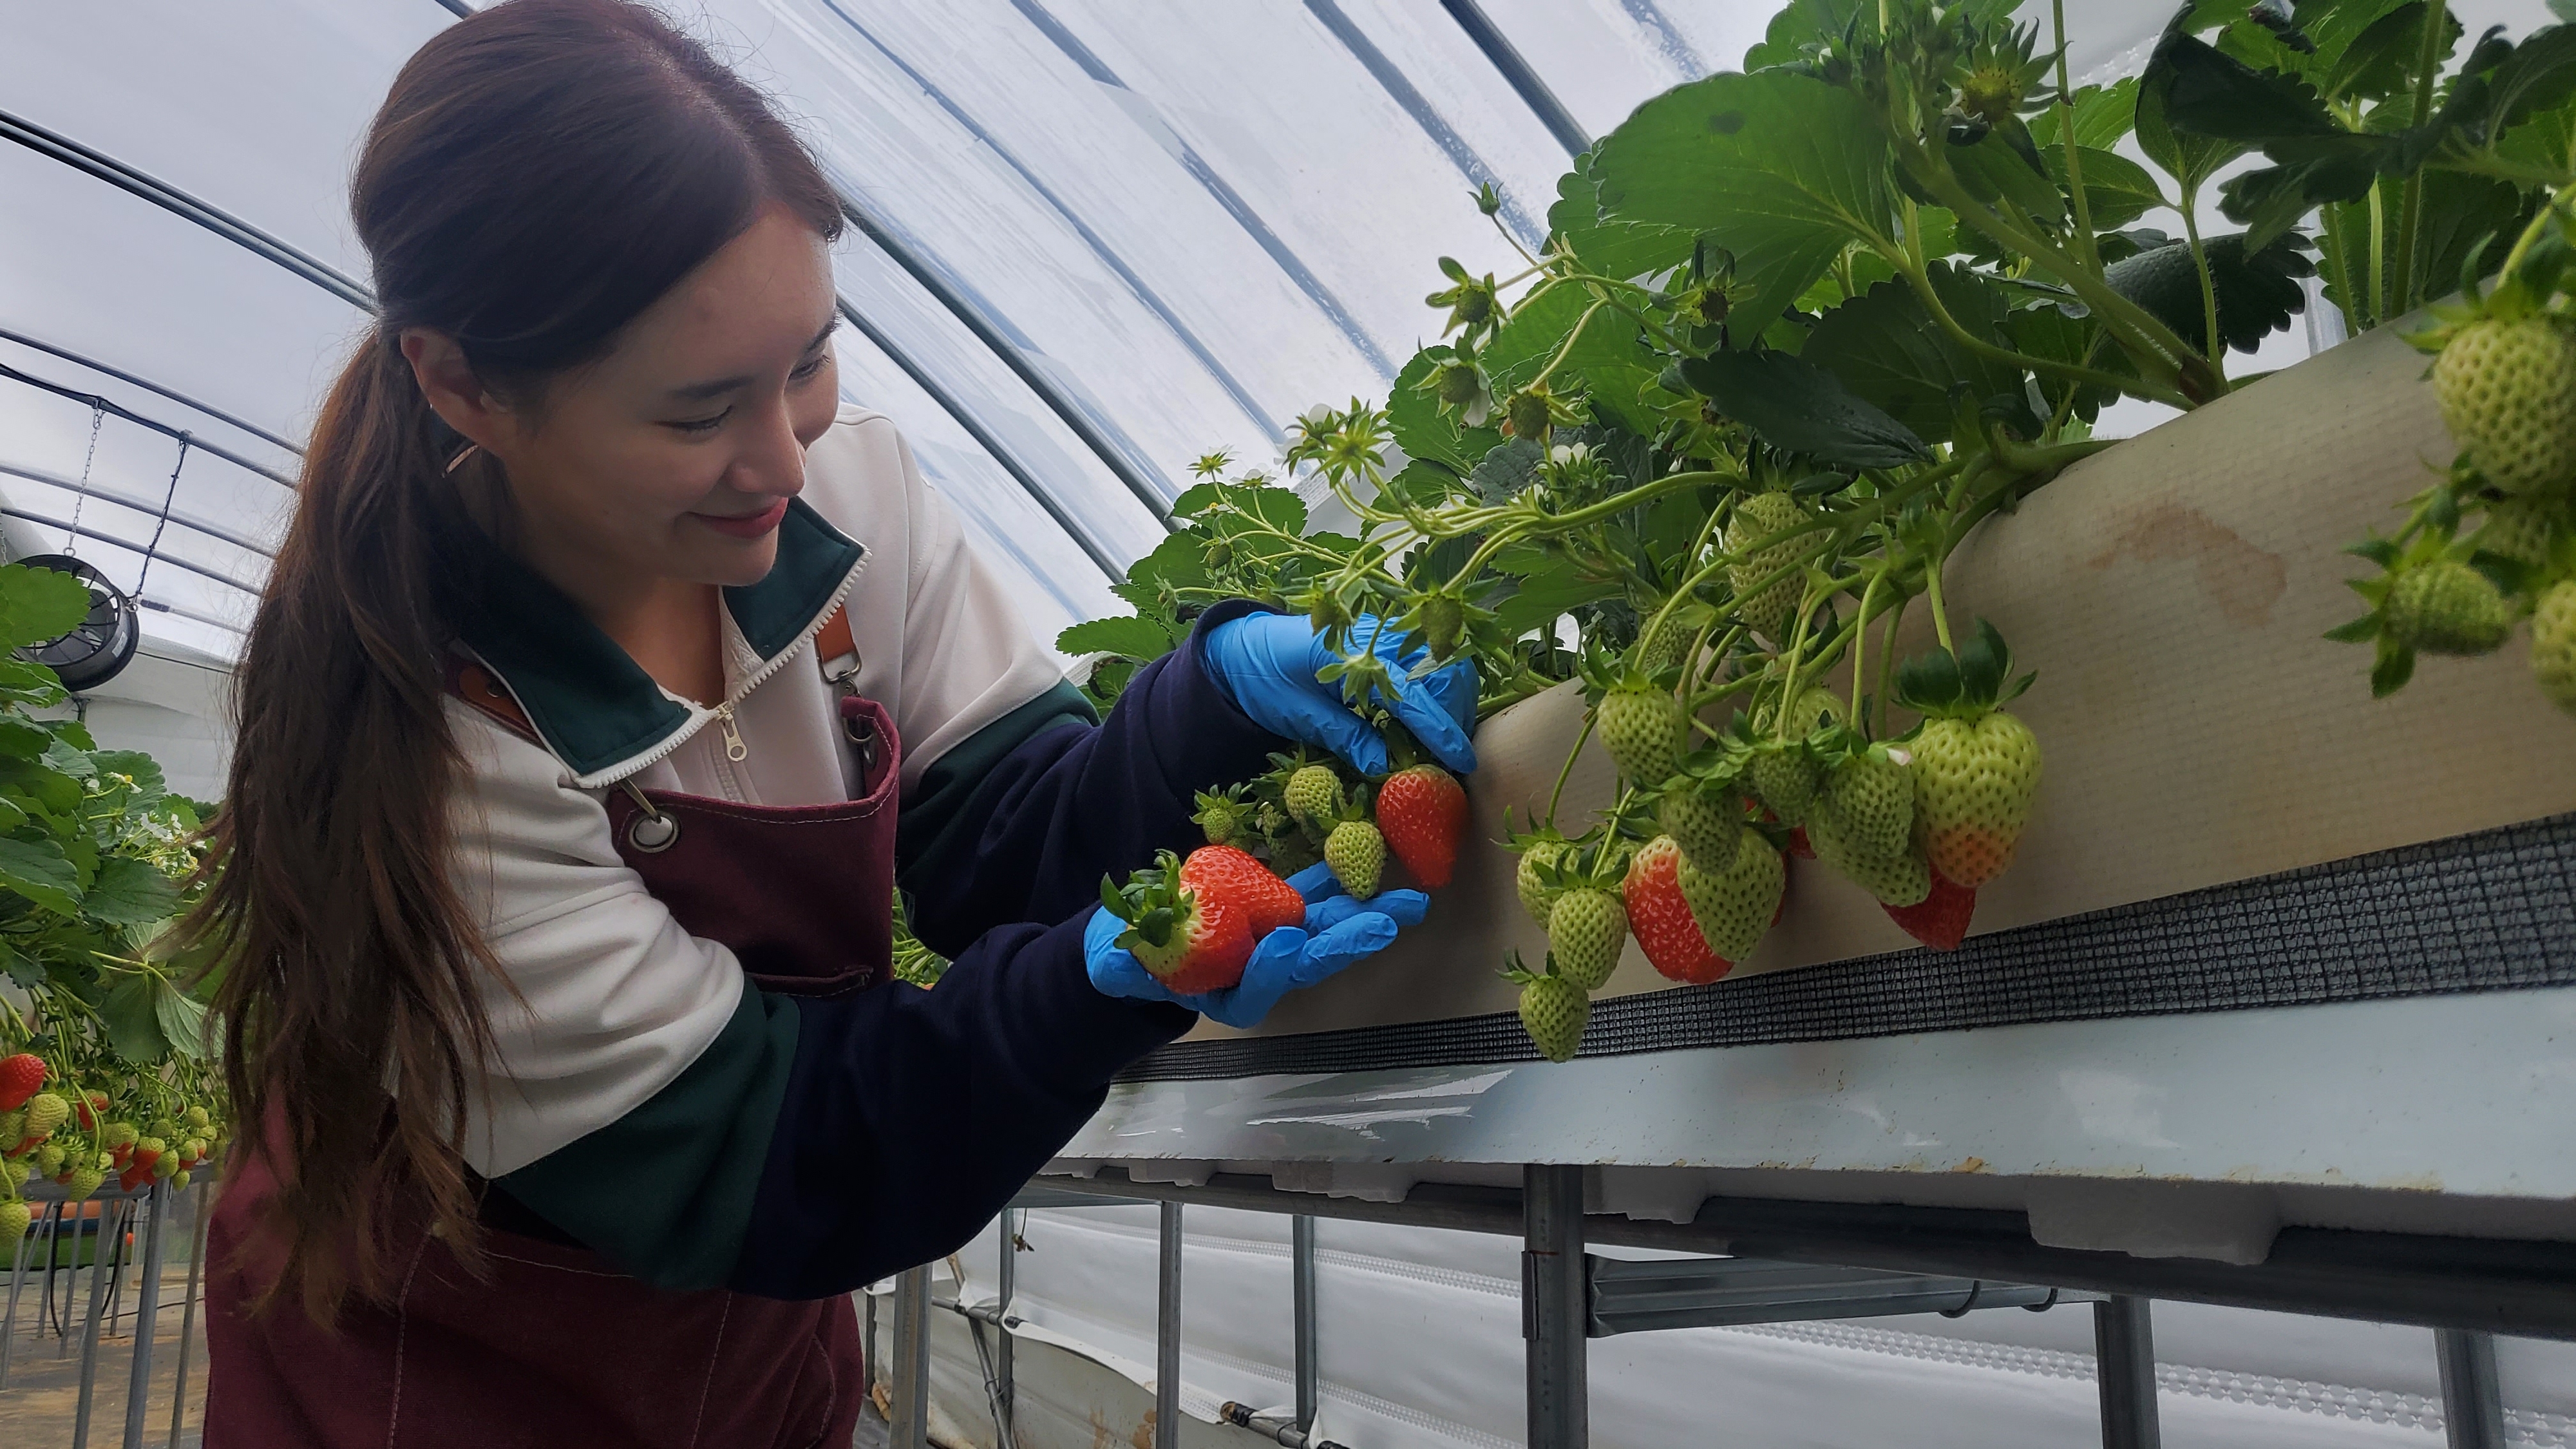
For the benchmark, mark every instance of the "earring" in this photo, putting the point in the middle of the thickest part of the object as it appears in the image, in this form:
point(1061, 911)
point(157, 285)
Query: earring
point(458, 461)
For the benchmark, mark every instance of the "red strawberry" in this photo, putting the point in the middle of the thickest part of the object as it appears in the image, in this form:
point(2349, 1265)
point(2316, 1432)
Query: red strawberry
point(1661, 919)
point(1422, 811)
point(21, 1077)
point(90, 1108)
point(1235, 877)
point(1188, 941)
point(1798, 845)
point(133, 1177)
point(1939, 920)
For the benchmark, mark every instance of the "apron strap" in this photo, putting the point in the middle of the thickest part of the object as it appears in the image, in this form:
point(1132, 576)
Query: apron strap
point(837, 652)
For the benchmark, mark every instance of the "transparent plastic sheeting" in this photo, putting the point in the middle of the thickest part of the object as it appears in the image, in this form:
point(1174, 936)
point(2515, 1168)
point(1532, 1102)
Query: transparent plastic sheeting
point(1420, 1340)
point(1193, 222)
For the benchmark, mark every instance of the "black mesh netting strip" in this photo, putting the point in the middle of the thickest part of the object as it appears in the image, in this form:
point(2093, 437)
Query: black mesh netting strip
point(2485, 912)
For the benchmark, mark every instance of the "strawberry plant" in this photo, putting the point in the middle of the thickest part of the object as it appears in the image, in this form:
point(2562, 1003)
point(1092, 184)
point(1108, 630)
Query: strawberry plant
point(104, 1068)
point(1796, 331)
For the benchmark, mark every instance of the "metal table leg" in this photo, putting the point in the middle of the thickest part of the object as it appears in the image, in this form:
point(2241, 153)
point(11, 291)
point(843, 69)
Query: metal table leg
point(2124, 1354)
point(1006, 1280)
point(2472, 1404)
point(147, 1316)
point(1301, 1267)
point(105, 1261)
point(908, 1426)
point(1553, 1319)
point(17, 1282)
point(1167, 1335)
point(188, 1315)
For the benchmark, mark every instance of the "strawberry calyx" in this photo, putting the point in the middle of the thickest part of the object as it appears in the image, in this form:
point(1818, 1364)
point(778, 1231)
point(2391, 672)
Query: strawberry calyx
point(1153, 903)
point(1966, 686)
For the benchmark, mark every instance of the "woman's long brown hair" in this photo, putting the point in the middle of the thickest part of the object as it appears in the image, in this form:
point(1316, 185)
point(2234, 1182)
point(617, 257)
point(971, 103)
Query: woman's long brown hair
point(539, 174)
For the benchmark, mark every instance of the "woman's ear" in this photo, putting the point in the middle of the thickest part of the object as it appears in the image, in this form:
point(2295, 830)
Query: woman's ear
point(447, 380)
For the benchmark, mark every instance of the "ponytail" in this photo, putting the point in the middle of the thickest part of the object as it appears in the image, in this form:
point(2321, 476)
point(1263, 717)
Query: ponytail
point(351, 962)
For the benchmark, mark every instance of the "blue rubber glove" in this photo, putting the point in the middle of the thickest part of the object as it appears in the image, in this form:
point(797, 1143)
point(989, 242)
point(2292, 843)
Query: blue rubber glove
point(1267, 664)
point(1338, 931)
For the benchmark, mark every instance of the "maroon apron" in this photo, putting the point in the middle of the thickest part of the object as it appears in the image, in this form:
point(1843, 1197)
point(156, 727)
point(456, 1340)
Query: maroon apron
point(553, 1347)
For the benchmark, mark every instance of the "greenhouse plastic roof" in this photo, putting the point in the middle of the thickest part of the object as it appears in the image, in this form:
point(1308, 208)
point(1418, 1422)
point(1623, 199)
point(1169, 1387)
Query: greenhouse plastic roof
point(1092, 240)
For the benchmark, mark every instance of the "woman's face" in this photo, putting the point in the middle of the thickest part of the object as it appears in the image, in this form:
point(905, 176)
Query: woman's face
point(673, 457)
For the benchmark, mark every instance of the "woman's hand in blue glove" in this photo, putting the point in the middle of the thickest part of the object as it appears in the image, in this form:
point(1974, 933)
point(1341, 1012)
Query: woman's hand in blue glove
point(1269, 663)
point(1338, 931)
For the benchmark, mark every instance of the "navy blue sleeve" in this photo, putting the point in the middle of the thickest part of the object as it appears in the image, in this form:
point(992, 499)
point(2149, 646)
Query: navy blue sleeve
point(910, 1117)
point(1038, 826)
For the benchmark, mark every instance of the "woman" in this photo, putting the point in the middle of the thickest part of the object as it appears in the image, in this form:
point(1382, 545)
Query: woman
point(612, 674)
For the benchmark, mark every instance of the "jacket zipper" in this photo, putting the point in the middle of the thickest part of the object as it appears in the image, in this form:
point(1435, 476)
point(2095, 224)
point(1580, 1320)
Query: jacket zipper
point(735, 749)
point(648, 758)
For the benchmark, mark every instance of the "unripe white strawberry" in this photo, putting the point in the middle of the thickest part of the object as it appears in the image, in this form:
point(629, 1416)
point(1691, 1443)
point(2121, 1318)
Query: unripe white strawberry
point(2508, 394)
point(2553, 644)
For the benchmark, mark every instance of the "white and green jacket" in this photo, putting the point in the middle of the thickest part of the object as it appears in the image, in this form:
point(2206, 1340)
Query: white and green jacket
point(646, 1100)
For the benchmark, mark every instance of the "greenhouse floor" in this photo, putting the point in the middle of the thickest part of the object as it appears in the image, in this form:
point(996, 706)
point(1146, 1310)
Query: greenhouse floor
point(41, 1404)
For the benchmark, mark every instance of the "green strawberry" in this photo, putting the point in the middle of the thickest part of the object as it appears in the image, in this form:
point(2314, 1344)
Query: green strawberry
point(49, 1160)
point(1645, 729)
point(45, 1112)
point(1974, 780)
point(1734, 907)
point(2553, 644)
point(1868, 800)
point(1784, 779)
point(15, 1217)
point(1703, 826)
point(1313, 796)
point(1770, 612)
point(1897, 877)
point(1537, 896)
point(85, 1180)
point(1660, 648)
point(197, 1117)
point(2442, 606)
point(1357, 853)
point(1816, 708)
point(2520, 529)
point(1223, 815)
point(1585, 930)
point(179, 1180)
point(1553, 1010)
point(2508, 393)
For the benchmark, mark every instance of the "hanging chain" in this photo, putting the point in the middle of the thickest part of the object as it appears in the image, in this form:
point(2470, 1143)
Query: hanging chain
point(168, 499)
point(80, 491)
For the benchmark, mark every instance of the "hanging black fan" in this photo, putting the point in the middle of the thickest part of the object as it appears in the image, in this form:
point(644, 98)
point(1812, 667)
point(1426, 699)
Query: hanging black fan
point(100, 646)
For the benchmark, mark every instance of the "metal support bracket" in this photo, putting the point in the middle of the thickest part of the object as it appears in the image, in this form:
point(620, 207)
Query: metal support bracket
point(1628, 1296)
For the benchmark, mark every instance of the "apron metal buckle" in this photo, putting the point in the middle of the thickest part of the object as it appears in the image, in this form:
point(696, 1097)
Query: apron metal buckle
point(649, 831)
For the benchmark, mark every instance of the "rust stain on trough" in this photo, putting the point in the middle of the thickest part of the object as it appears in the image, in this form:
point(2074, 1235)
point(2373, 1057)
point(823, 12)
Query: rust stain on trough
point(2242, 580)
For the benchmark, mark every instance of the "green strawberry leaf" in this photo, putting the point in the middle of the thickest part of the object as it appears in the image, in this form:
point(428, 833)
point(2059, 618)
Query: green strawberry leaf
point(182, 1019)
point(2359, 631)
point(38, 605)
point(129, 892)
point(1799, 407)
point(131, 1014)
point(38, 870)
point(2378, 550)
point(1780, 170)
point(1135, 636)
point(2395, 665)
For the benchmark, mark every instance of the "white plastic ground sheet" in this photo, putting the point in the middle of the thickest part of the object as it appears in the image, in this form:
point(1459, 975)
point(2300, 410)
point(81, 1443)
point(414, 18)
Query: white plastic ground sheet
point(1421, 1349)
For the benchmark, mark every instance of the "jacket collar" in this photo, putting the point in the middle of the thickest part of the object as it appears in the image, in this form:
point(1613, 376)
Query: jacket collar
point(592, 705)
